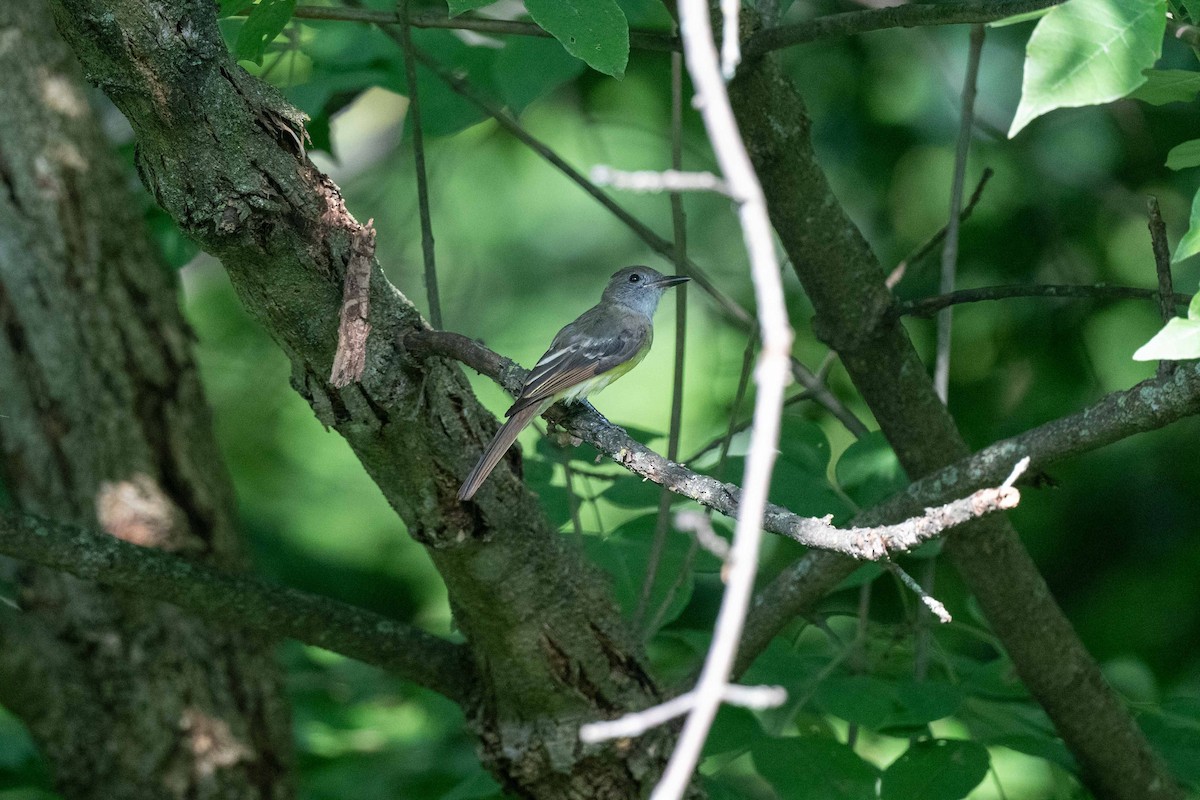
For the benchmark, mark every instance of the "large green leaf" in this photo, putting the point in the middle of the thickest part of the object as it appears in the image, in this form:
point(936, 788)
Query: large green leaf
point(813, 768)
point(265, 21)
point(528, 68)
point(943, 769)
point(1086, 52)
point(592, 30)
point(1164, 86)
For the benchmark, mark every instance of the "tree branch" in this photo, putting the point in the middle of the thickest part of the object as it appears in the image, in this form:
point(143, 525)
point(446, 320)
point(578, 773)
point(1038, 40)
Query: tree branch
point(928, 306)
point(913, 15)
point(242, 600)
point(847, 287)
point(870, 543)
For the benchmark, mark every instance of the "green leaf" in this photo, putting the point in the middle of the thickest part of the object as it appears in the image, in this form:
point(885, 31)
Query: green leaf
point(592, 30)
point(868, 470)
point(1086, 52)
point(529, 68)
point(476, 786)
point(812, 768)
point(1179, 339)
point(1189, 245)
point(1174, 731)
point(1164, 86)
point(228, 8)
point(463, 6)
point(925, 702)
point(265, 21)
point(625, 555)
point(1192, 7)
point(1184, 155)
point(734, 729)
point(942, 769)
point(856, 698)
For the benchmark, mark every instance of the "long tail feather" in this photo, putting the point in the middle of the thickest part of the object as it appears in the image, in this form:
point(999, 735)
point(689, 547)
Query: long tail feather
point(498, 447)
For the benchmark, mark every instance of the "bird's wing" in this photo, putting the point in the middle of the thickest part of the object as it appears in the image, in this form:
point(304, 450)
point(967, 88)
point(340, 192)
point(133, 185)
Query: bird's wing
point(600, 340)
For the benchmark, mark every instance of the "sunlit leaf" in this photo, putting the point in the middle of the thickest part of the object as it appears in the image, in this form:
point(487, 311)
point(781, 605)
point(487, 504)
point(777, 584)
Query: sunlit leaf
point(1164, 86)
point(1184, 155)
point(265, 21)
point(592, 30)
point(1179, 339)
point(1189, 245)
point(1086, 52)
point(942, 769)
point(228, 8)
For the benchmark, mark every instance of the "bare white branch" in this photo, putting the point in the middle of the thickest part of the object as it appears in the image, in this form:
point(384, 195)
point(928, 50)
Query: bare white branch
point(668, 180)
point(934, 605)
point(637, 723)
point(731, 44)
point(1017, 471)
point(771, 375)
point(700, 526)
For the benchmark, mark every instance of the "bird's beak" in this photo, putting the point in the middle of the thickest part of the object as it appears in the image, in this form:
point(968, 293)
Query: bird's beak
point(667, 281)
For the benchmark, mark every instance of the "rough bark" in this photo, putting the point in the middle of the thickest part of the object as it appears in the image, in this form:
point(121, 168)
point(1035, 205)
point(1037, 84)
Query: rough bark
point(103, 423)
point(845, 283)
point(222, 154)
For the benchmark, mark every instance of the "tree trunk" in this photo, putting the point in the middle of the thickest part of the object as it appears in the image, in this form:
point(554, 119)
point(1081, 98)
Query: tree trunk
point(222, 153)
point(103, 424)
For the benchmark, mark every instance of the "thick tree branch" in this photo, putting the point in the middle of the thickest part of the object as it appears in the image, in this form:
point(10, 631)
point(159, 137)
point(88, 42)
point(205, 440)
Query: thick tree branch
point(870, 542)
point(912, 15)
point(219, 151)
point(1150, 405)
point(242, 600)
point(847, 287)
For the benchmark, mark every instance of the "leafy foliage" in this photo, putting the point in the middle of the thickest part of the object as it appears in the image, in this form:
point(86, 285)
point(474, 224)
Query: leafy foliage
point(513, 236)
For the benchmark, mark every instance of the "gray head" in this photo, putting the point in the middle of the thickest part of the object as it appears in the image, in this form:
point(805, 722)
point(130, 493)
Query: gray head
point(639, 288)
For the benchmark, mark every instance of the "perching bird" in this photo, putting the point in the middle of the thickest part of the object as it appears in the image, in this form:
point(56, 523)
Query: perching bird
point(601, 345)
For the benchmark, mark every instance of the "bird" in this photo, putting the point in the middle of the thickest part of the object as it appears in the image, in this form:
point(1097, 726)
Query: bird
point(601, 345)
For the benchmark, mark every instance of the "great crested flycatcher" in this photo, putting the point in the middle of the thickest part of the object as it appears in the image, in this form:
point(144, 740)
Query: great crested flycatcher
point(601, 345)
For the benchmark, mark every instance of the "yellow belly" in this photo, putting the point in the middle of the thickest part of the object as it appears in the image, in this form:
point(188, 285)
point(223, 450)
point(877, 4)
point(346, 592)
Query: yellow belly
point(595, 384)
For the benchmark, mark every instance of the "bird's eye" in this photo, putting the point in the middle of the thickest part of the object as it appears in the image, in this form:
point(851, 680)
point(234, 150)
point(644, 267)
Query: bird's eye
point(634, 278)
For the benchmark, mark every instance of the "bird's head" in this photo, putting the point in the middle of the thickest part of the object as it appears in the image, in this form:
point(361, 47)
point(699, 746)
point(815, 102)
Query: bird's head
point(639, 288)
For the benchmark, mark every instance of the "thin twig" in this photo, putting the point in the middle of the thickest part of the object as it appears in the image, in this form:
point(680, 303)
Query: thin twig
point(928, 306)
point(1162, 266)
point(418, 134)
point(901, 16)
point(928, 246)
point(932, 603)
point(670, 180)
point(679, 233)
point(771, 376)
point(641, 39)
point(941, 370)
point(637, 723)
point(701, 527)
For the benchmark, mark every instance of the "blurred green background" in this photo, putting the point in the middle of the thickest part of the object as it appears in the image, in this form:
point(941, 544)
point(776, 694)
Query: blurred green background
point(521, 251)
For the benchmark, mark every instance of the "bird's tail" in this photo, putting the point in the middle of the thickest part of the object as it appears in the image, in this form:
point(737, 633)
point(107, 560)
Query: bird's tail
point(498, 447)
